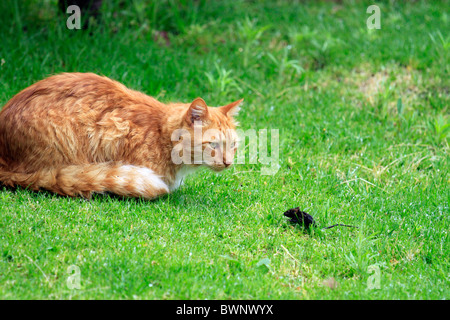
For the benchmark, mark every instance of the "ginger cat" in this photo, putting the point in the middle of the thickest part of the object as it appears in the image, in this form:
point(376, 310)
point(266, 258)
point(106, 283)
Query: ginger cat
point(79, 133)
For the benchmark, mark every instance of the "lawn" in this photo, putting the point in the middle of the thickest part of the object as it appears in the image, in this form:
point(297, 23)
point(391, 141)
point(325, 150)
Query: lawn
point(363, 124)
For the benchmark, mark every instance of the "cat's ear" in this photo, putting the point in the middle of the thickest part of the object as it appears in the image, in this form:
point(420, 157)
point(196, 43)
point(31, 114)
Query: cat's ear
point(198, 111)
point(232, 109)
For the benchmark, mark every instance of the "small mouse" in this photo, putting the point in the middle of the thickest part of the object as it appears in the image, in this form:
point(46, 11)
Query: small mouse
point(300, 217)
point(305, 219)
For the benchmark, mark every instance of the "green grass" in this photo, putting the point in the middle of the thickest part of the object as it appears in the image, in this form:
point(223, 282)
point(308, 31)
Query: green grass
point(364, 138)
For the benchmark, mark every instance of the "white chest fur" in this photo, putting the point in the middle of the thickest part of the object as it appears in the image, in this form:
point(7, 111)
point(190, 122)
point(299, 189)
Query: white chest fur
point(181, 174)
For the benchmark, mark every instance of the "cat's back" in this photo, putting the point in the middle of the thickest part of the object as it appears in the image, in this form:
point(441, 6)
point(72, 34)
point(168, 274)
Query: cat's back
point(73, 116)
point(66, 93)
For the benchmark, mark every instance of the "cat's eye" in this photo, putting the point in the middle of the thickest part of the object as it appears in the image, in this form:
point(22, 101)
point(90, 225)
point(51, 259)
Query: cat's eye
point(214, 145)
point(233, 145)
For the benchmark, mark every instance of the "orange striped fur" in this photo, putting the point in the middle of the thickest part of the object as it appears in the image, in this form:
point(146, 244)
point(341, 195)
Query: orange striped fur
point(79, 133)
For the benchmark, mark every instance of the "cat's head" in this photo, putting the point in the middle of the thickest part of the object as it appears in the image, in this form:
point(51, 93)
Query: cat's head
point(214, 139)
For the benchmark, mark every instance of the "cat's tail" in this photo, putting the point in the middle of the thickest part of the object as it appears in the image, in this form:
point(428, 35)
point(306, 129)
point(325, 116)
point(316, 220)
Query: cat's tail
point(83, 180)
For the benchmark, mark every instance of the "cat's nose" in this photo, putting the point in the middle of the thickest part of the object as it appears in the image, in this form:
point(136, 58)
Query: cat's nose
point(227, 163)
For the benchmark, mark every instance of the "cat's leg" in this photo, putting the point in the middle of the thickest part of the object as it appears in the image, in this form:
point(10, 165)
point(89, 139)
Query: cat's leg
point(73, 180)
